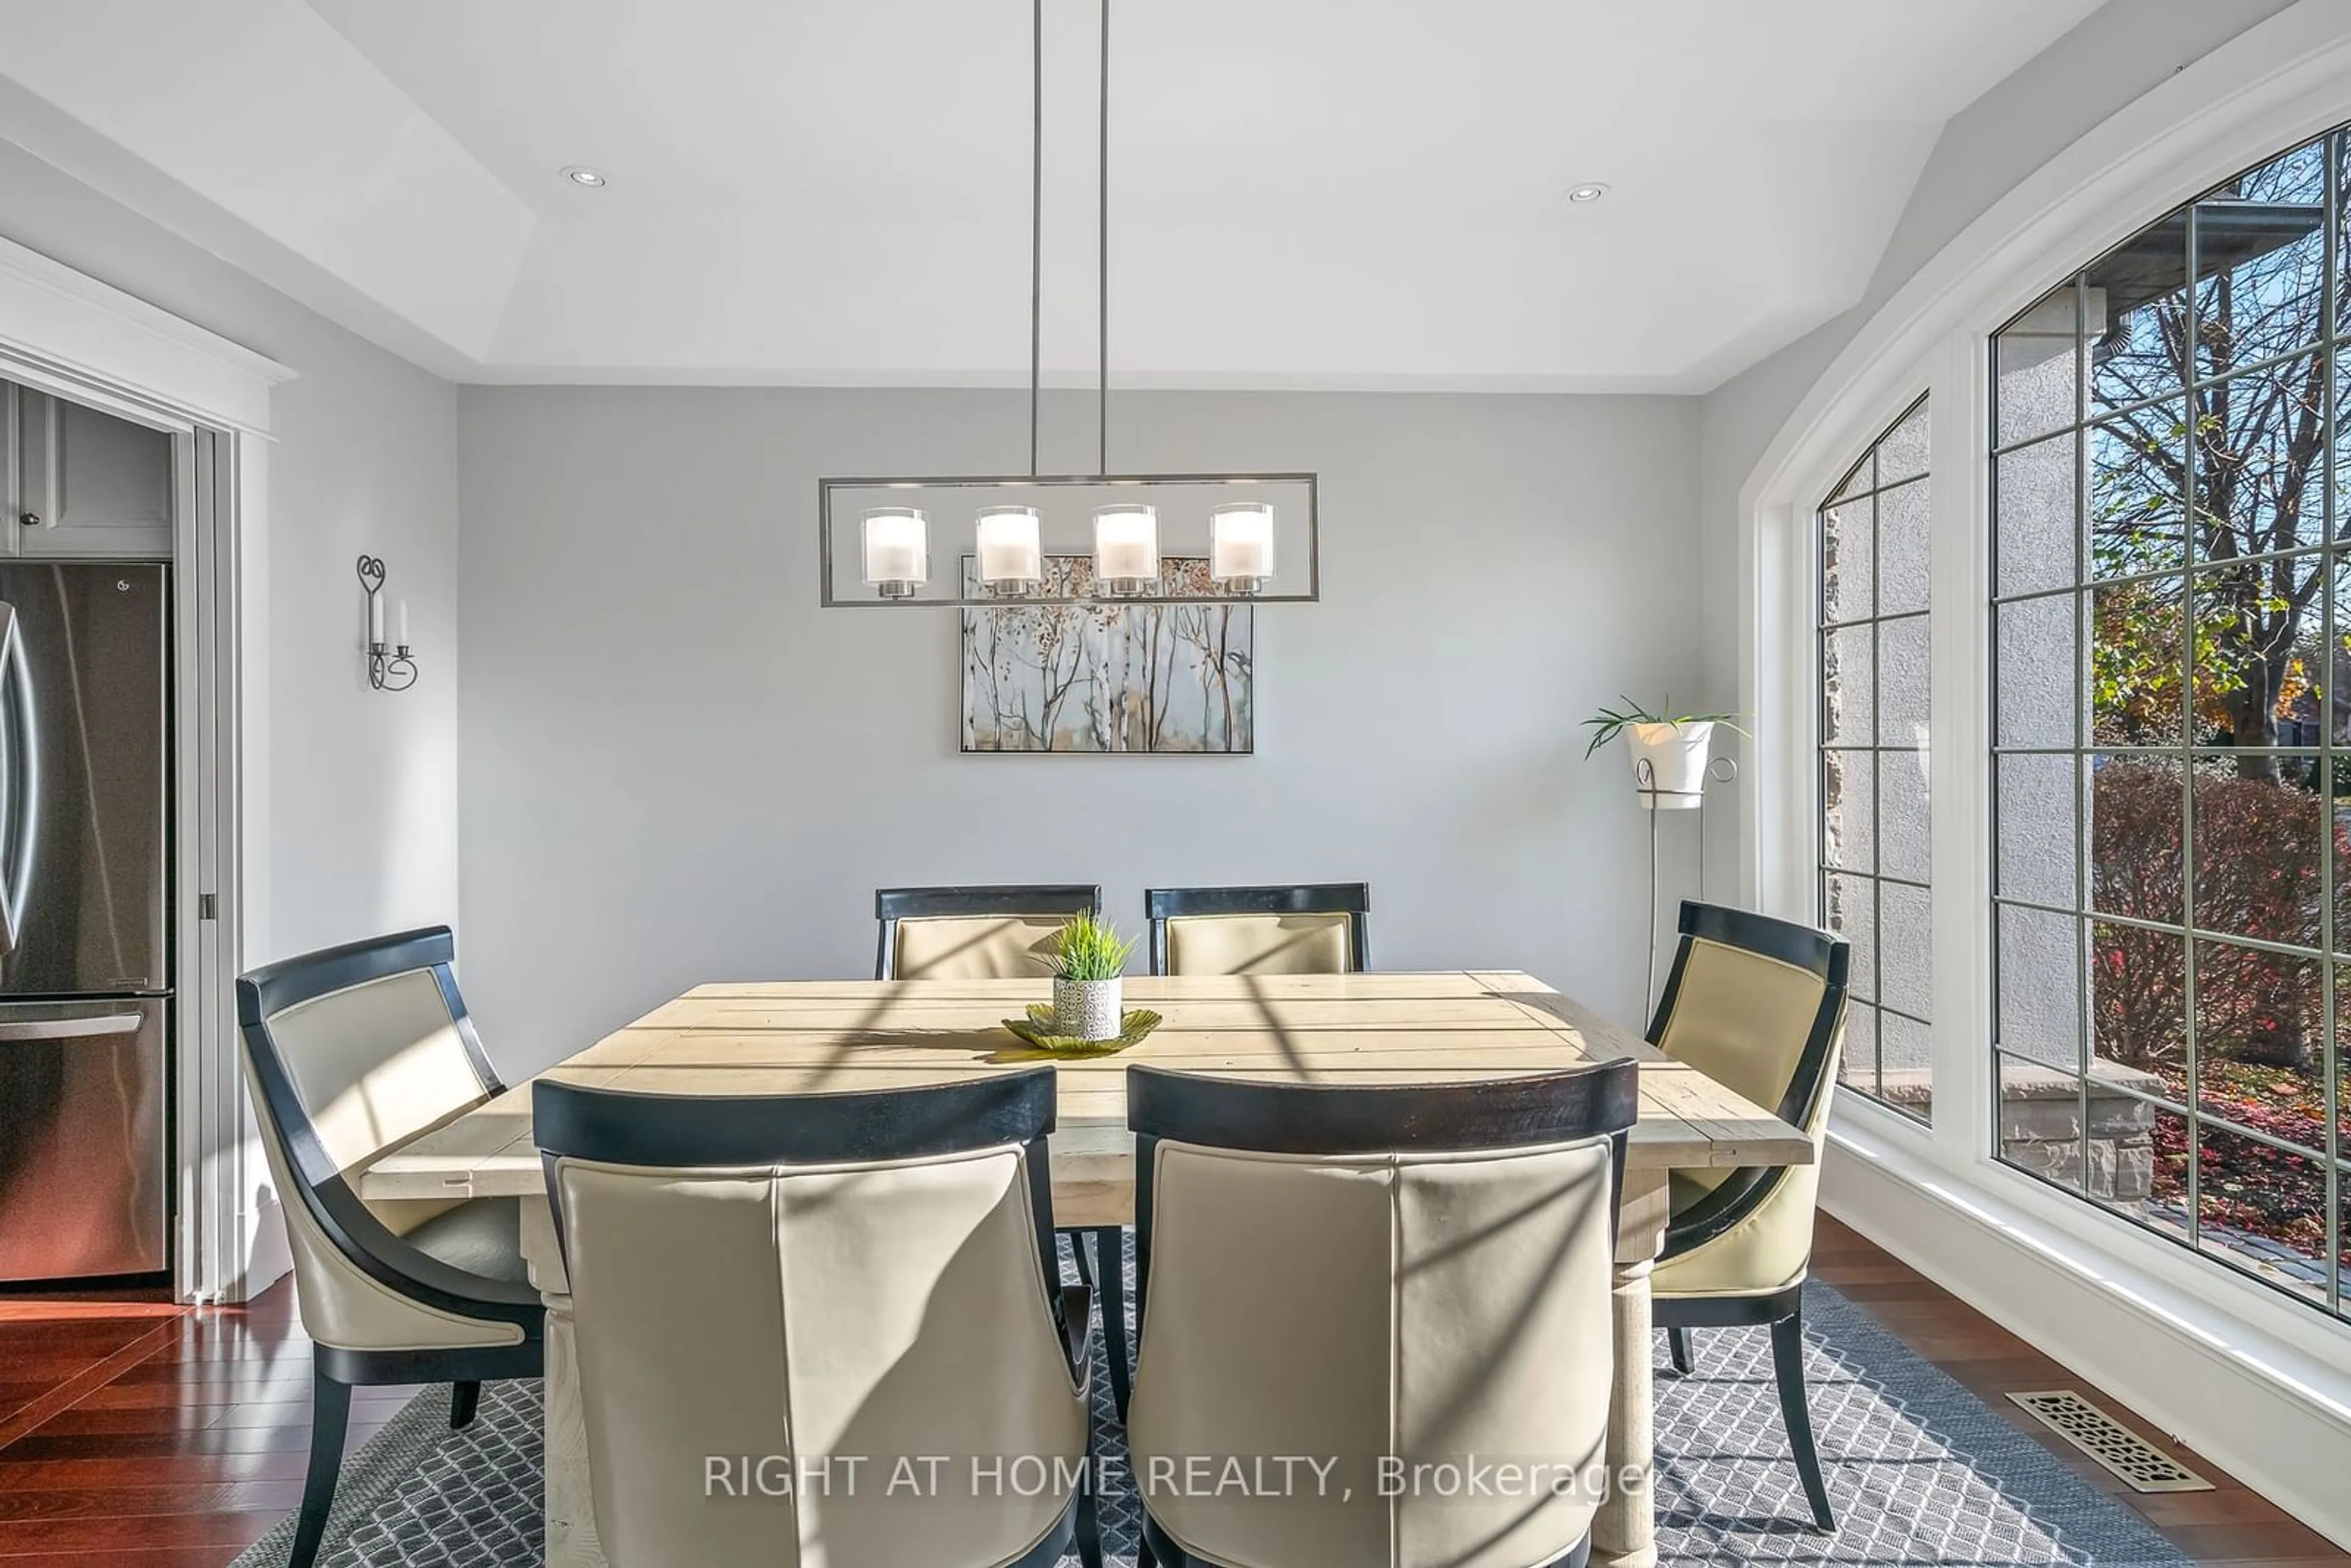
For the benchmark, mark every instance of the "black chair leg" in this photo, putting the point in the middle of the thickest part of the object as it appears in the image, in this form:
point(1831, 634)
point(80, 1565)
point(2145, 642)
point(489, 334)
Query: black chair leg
point(1089, 1524)
point(330, 1415)
point(1678, 1345)
point(1078, 1252)
point(1109, 1290)
point(465, 1398)
point(1788, 1361)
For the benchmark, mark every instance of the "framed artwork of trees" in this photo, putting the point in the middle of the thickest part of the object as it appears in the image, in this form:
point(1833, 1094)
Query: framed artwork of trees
point(1108, 677)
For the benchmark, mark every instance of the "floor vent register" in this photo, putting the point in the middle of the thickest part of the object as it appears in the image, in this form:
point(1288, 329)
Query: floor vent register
point(2140, 1464)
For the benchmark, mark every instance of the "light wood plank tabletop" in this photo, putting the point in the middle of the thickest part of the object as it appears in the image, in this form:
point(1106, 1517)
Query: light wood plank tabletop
point(817, 1037)
point(838, 1036)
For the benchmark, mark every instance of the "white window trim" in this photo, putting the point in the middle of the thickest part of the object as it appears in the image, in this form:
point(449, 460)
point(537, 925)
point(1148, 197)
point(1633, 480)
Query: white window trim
point(2259, 1383)
point(71, 335)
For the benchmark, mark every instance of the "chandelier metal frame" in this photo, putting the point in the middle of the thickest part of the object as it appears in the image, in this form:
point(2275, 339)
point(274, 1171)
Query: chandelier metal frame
point(1129, 487)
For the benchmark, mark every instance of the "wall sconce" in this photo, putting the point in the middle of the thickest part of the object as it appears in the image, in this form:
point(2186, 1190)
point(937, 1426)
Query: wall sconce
point(389, 669)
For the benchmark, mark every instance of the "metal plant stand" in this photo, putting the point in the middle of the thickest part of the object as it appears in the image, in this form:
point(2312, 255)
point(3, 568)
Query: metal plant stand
point(1719, 770)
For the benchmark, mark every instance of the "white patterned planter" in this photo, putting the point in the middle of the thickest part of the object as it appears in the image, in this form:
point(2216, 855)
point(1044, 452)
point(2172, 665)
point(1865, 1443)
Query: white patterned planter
point(1086, 1010)
point(1677, 755)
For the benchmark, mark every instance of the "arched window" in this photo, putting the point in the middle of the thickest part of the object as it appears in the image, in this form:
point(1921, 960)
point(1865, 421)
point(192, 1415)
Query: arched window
point(1874, 719)
point(2170, 641)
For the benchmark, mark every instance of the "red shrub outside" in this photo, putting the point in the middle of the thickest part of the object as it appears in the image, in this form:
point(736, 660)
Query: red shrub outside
point(2259, 1020)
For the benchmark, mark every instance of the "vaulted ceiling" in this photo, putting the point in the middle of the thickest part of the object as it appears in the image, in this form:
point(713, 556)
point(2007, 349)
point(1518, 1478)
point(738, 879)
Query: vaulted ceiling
point(1303, 193)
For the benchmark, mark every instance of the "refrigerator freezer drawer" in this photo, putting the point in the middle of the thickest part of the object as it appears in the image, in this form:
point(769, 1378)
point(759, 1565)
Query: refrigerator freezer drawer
point(84, 1186)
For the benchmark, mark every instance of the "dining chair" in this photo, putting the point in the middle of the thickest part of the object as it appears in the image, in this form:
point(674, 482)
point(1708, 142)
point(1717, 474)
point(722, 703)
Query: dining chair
point(1405, 1276)
point(865, 1277)
point(974, 933)
point(1315, 928)
point(1007, 933)
point(1758, 1004)
point(347, 1051)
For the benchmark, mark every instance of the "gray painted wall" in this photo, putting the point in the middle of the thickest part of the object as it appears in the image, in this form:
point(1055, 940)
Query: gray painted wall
point(362, 788)
point(679, 769)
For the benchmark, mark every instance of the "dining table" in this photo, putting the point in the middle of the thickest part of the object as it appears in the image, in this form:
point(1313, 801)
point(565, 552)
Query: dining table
point(833, 1036)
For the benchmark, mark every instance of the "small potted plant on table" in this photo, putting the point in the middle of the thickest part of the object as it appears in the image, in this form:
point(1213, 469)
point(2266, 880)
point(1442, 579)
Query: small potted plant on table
point(1087, 963)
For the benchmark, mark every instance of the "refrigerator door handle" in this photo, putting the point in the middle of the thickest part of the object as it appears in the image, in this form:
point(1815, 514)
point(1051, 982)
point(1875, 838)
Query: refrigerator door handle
point(20, 780)
point(70, 1029)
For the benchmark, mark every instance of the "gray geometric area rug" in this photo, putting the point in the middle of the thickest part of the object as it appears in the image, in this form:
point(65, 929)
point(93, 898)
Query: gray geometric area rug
point(1922, 1473)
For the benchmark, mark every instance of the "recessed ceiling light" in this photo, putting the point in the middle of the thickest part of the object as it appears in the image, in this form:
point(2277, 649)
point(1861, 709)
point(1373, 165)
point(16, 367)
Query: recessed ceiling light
point(1591, 191)
point(580, 174)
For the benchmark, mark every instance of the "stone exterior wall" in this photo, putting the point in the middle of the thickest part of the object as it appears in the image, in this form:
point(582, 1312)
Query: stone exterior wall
point(2043, 1129)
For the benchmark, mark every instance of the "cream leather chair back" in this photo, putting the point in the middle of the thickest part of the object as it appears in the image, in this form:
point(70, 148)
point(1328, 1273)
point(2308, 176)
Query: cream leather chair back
point(1740, 1006)
point(1758, 1004)
point(347, 1051)
point(866, 1276)
point(1360, 1273)
point(974, 933)
point(377, 1060)
point(1320, 928)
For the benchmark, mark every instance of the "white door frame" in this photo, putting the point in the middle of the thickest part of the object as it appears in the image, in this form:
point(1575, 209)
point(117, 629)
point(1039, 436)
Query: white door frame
point(70, 334)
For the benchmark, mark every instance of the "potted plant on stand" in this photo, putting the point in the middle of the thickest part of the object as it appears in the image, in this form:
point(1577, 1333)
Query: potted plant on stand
point(1087, 963)
point(1672, 755)
point(1669, 751)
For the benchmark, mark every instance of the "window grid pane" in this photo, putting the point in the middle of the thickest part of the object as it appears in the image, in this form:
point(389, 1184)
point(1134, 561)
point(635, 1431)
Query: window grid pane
point(1875, 713)
point(2171, 897)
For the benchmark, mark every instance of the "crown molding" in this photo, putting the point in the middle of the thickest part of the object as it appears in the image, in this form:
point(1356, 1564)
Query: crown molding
point(71, 334)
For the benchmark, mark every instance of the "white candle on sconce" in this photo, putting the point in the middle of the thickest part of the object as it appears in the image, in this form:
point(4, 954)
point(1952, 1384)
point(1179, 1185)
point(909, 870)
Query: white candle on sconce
point(1240, 545)
point(897, 546)
point(1011, 549)
point(400, 624)
point(1126, 548)
point(375, 618)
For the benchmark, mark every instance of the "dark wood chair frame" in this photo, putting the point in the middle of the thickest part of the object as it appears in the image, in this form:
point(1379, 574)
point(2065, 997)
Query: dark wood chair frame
point(1746, 1190)
point(679, 1130)
point(891, 904)
point(1353, 899)
point(354, 1229)
point(1106, 1270)
point(1601, 1099)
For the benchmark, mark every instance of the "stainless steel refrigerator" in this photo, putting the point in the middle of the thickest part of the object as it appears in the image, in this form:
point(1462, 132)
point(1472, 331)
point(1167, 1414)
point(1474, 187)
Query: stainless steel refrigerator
point(85, 920)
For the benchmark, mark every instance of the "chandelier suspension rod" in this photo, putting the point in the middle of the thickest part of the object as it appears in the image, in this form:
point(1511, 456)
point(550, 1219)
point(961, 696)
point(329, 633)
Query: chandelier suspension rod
point(1035, 214)
point(1102, 392)
point(1009, 558)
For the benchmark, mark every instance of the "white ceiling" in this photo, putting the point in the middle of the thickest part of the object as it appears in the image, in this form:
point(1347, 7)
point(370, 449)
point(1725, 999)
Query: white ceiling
point(1304, 193)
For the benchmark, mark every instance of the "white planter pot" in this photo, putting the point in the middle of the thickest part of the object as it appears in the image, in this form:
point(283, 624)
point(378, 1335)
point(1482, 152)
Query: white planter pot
point(1677, 757)
point(1086, 1010)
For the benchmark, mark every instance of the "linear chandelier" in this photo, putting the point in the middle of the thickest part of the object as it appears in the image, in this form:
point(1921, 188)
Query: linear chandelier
point(1071, 538)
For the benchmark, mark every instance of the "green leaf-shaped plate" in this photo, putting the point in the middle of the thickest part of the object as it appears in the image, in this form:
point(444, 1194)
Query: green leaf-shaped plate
point(1036, 1030)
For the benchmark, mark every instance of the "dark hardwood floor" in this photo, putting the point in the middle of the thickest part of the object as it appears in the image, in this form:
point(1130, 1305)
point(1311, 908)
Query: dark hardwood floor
point(2229, 1526)
point(150, 1437)
point(161, 1438)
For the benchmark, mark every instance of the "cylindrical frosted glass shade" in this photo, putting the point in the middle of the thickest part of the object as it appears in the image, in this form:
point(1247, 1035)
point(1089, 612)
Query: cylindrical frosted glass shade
point(1126, 545)
point(897, 541)
point(1008, 547)
point(1241, 543)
